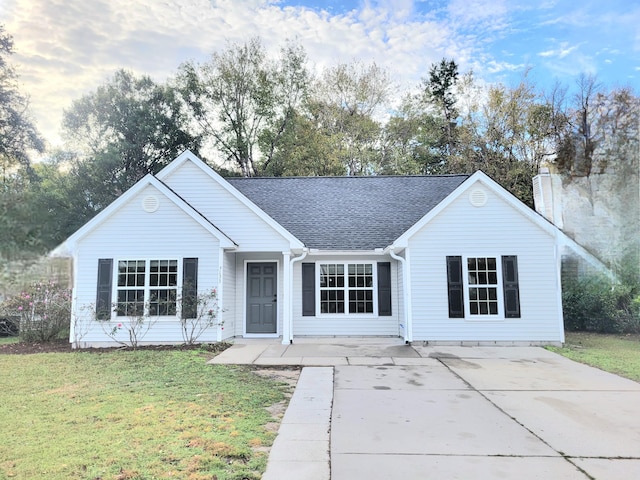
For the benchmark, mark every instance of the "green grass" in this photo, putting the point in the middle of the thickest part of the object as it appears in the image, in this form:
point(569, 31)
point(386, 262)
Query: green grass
point(132, 415)
point(618, 354)
point(5, 340)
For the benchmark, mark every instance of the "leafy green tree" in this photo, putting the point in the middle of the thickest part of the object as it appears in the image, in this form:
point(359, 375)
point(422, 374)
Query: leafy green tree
point(412, 140)
point(126, 128)
point(305, 149)
point(19, 217)
point(18, 134)
point(346, 101)
point(507, 132)
point(19, 137)
point(245, 102)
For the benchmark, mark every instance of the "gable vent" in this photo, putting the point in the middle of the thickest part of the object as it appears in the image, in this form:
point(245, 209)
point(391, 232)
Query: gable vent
point(150, 203)
point(478, 197)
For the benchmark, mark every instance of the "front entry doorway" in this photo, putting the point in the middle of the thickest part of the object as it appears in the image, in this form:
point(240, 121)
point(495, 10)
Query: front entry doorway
point(262, 298)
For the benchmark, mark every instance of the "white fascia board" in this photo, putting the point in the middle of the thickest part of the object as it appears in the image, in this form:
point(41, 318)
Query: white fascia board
point(478, 177)
point(68, 247)
point(353, 253)
point(189, 156)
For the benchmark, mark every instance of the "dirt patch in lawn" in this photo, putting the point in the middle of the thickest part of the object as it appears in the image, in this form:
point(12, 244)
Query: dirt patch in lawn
point(288, 376)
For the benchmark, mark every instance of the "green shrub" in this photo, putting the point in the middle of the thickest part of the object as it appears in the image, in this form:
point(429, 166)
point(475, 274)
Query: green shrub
point(596, 304)
point(43, 310)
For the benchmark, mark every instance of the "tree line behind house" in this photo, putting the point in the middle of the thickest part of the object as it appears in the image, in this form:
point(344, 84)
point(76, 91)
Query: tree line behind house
point(249, 113)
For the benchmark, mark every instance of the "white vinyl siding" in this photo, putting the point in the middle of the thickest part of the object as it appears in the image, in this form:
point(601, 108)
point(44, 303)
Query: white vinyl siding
point(133, 234)
point(207, 196)
point(343, 324)
point(494, 229)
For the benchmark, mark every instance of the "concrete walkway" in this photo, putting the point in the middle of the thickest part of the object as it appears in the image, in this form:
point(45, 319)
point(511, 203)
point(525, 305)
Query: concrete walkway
point(387, 410)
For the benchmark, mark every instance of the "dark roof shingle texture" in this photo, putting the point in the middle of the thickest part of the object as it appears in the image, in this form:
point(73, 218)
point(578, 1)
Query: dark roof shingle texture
point(347, 213)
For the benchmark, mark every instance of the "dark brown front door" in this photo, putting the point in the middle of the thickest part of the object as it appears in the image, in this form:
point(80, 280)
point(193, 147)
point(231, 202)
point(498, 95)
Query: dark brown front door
point(262, 304)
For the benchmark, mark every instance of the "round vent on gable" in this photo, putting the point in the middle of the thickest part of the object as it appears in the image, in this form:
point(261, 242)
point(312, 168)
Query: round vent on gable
point(150, 203)
point(478, 197)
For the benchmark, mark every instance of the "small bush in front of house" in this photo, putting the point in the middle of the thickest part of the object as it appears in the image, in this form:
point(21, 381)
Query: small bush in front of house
point(596, 304)
point(203, 315)
point(43, 312)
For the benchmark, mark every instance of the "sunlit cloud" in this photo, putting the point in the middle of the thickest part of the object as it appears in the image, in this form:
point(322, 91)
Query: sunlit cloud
point(66, 48)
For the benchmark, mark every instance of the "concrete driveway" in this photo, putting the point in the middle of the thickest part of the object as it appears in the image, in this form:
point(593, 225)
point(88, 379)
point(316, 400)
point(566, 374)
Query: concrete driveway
point(454, 413)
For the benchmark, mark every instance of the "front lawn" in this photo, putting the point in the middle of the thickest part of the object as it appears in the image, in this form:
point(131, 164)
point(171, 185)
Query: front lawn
point(132, 415)
point(618, 354)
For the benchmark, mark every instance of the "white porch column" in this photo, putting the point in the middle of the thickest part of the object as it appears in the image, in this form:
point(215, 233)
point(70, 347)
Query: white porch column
point(287, 288)
point(220, 290)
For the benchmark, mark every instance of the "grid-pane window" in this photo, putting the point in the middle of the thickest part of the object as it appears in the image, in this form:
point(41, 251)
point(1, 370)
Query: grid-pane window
point(147, 282)
point(332, 288)
point(483, 285)
point(360, 288)
point(346, 288)
point(131, 283)
point(163, 282)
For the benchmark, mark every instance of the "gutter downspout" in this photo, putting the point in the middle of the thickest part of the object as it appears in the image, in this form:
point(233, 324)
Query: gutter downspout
point(558, 259)
point(289, 339)
point(406, 279)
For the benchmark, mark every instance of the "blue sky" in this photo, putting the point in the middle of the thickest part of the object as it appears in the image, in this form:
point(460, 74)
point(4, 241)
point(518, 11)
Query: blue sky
point(65, 48)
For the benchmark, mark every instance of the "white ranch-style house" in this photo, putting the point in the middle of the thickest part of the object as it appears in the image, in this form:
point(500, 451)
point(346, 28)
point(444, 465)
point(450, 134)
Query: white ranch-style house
point(442, 259)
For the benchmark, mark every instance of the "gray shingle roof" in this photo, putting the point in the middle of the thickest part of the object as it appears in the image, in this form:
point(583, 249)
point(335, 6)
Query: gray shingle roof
point(347, 213)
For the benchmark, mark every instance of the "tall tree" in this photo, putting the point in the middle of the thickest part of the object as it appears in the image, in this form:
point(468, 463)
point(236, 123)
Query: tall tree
point(412, 140)
point(128, 127)
point(505, 132)
point(18, 134)
point(346, 103)
point(440, 91)
point(244, 101)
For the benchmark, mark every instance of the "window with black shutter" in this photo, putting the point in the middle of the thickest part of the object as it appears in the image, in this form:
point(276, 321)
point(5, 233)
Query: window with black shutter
point(104, 286)
point(384, 289)
point(455, 287)
point(308, 289)
point(189, 288)
point(510, 286)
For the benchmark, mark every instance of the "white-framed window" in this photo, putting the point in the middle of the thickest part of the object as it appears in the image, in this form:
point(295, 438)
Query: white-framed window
point(483, 285)
point(142, 283)
point(347, 288)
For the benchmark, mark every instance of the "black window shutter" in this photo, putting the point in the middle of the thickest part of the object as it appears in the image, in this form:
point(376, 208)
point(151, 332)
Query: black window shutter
point(455, 287)
point(510, 286)
point(384, 289)
point(189, 288)
point(308, 289)
point(103, 295)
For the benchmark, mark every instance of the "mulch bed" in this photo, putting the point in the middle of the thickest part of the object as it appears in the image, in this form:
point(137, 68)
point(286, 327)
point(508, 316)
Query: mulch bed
point(26, 348)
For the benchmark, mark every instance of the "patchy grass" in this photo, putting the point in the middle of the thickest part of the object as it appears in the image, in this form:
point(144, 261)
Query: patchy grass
point(618, 354)
point(127, 415)
point(7, 340)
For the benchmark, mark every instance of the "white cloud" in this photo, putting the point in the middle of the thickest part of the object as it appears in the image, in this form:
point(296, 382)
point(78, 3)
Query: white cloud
point(562, 51)
point(65, 48)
